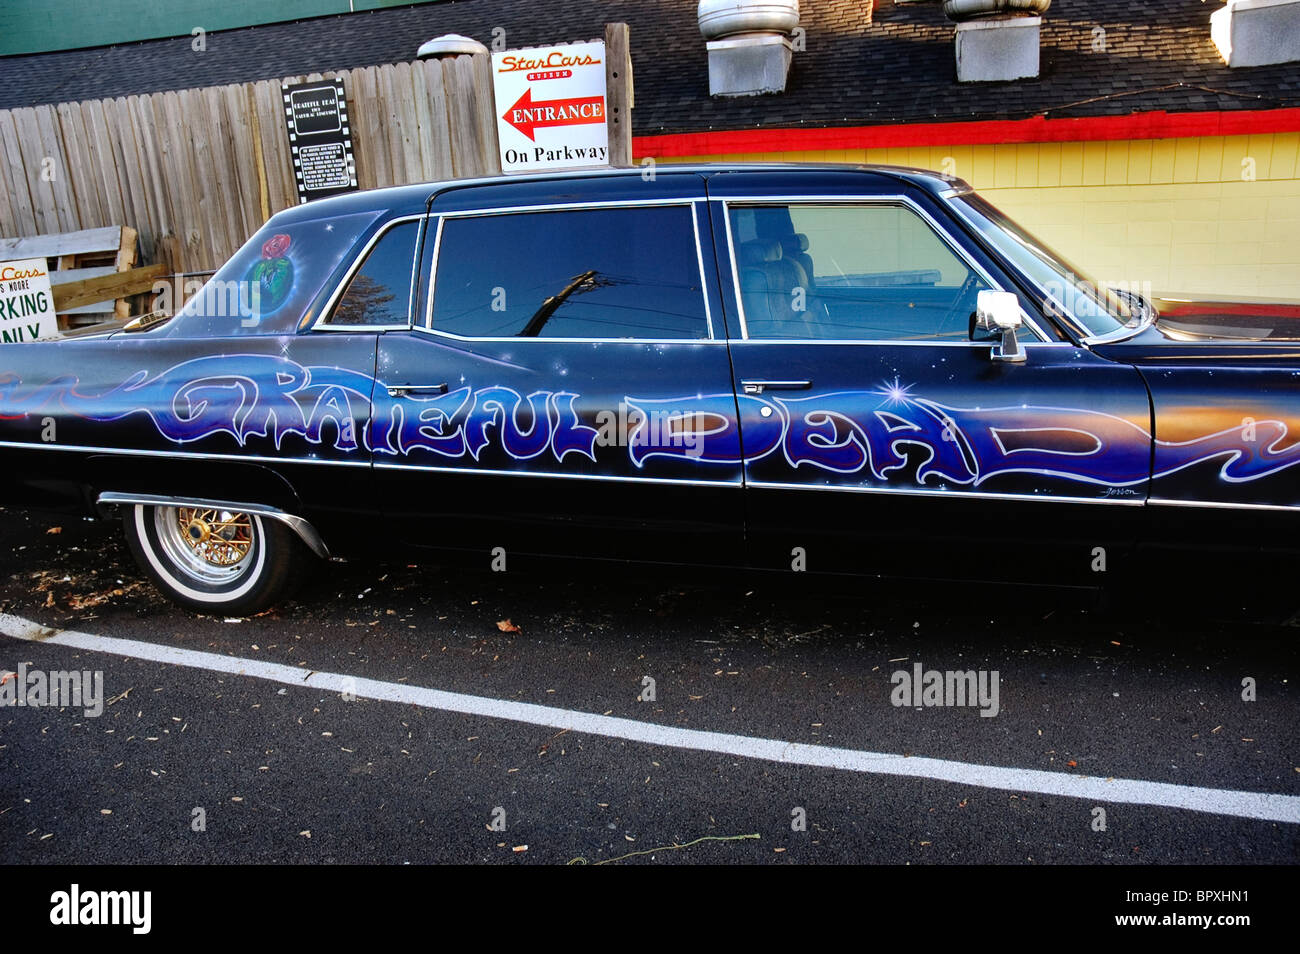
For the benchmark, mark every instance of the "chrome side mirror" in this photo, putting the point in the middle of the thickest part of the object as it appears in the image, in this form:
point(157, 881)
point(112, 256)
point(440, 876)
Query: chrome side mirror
point(998, 311)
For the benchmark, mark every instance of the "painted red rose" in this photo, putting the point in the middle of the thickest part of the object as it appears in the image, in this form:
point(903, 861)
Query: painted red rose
point(275, 246)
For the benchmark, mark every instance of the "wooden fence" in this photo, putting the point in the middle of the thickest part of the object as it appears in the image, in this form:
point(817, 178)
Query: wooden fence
point(197, 171)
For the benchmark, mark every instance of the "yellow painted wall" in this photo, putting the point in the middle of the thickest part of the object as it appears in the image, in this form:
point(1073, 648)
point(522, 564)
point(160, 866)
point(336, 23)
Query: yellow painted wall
point(1210, 215)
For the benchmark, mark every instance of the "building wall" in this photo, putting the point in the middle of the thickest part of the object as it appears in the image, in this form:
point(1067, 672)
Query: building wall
point(1209, 215)
point(39, 26)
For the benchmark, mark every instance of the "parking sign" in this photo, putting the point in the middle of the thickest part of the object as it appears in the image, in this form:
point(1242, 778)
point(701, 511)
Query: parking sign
point(26, 304)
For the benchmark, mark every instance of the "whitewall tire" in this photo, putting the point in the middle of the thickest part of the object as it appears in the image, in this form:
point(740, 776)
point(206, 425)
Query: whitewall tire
point(214, 560)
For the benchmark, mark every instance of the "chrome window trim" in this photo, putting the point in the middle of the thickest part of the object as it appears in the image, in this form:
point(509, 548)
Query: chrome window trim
point(597, 341)
point(566, 206)
point(1120, 334)
point(322, 323)
point(427, 323)
point(688, 202)
point(851, 200)
point(735, 273)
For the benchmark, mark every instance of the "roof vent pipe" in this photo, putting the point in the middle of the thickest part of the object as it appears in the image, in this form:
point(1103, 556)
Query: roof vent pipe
point(450, 44)
point(969, 9)
point(749, 44)
point(997, 40)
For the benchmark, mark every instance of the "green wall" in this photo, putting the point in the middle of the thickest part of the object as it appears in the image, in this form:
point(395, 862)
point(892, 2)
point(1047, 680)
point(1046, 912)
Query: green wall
point(38, 26)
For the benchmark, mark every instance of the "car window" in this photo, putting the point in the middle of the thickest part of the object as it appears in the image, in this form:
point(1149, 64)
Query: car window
point(267, 286)
point(585, 273)
point(870, 272)
point(379, 293)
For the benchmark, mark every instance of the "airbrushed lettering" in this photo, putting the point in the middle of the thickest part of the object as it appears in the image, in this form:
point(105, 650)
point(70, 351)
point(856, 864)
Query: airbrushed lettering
point(886, 436)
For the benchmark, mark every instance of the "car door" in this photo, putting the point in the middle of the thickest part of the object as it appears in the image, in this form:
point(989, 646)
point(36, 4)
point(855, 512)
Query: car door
point(880, 434)
point(539, 408)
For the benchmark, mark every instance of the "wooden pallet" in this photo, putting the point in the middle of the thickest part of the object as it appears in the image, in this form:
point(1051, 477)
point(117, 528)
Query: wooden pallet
point(77, 257)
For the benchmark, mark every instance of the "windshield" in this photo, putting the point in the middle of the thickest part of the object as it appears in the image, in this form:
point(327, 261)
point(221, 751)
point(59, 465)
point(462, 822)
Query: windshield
point(1097, 307)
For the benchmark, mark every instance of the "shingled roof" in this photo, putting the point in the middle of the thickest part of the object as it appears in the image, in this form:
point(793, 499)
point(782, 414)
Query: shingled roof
point(897, 68)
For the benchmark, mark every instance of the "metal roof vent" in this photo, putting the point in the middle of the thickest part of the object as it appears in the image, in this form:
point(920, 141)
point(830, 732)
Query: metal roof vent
point(997, 40)
point(450, 44)
point(1257, 32)
point(749, 44)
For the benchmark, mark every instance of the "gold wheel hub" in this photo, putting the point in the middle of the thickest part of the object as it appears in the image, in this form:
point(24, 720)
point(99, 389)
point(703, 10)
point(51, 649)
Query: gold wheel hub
point(218, 537)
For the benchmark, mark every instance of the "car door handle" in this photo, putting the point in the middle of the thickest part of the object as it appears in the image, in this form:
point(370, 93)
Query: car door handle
point(758, 387)
point(404, 390)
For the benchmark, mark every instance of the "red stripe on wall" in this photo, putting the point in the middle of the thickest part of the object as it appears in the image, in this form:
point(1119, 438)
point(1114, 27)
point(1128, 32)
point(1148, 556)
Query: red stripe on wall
point(1153, 125)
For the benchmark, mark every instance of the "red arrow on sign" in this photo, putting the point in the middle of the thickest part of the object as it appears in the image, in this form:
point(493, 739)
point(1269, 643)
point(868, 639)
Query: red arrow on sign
point(526, 116)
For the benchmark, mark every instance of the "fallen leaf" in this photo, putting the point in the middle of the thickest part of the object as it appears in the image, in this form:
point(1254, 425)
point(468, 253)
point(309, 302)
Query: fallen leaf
point(54, 530)
point(506, 626)
point(1072, 763)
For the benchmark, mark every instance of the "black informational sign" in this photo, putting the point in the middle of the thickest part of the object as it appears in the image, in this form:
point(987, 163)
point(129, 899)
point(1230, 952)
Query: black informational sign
point(320, 136)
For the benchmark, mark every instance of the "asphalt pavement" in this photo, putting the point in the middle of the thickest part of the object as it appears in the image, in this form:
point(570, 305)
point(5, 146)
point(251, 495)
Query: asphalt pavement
point(187, 764)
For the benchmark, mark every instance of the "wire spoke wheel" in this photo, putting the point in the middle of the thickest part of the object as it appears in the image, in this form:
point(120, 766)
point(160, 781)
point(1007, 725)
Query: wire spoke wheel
point(216, 559)
point(210, 546)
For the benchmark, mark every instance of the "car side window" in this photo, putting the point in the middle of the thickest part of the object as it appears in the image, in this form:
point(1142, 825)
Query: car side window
point(876, 271)
point(379, 292)
point(627, 272)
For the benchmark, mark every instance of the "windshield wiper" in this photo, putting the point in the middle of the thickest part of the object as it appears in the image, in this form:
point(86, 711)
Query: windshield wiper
point(144, 322)
point(1139, 304)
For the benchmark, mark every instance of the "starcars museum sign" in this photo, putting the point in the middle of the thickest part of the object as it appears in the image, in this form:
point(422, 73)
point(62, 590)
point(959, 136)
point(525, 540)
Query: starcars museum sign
point(551, 107)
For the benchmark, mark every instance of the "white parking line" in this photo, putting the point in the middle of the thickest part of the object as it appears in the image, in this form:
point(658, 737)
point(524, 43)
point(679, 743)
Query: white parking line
point(1217, 801)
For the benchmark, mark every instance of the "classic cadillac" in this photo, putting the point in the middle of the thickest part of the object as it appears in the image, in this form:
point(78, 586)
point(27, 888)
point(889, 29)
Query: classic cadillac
point(831, 369)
